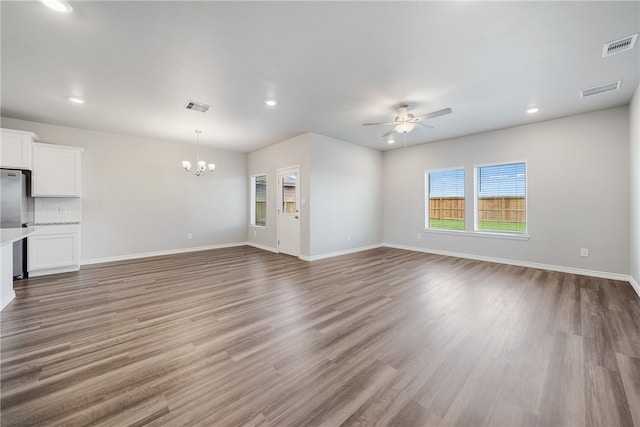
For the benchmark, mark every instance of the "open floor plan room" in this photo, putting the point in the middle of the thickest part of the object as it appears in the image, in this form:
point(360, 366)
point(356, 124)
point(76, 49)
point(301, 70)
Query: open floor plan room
point(241, 336)
point(320, 213)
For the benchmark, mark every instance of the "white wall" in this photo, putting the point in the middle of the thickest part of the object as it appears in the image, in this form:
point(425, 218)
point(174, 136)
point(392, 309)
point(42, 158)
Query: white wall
point(578, 192)
point(137, 199)
point(346, 196)
point(340, 183)
point(634, 212)
point(292, 152)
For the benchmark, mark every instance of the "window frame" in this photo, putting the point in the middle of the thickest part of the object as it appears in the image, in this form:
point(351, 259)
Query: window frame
point(252, 202)
point(426, 200)
point(509, 234)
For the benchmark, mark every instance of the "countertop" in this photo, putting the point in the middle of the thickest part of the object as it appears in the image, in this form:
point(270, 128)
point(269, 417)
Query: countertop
point(10, 235)
point(37, 224)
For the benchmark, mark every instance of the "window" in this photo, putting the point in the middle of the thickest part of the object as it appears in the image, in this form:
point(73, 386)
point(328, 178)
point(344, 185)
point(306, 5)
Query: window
point(259, 200)
point(501, 198)
point(445, 199)
point(289, 194)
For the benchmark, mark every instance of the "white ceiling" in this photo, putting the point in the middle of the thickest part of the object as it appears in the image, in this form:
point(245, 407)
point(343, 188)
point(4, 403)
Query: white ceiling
point(331, 65)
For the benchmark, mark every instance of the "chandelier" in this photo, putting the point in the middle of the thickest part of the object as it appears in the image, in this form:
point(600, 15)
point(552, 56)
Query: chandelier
point(202, 164)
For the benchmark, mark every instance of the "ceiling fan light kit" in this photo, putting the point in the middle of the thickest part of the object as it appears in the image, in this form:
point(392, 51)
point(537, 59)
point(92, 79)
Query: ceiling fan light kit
point(405, 127)
point(405, 122)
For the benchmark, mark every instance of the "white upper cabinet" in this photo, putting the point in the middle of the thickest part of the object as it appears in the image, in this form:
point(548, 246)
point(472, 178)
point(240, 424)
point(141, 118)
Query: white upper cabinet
point(15, 148)
point(56, 171)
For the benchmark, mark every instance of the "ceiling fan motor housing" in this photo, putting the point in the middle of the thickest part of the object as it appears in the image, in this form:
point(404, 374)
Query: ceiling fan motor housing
point(403, 112)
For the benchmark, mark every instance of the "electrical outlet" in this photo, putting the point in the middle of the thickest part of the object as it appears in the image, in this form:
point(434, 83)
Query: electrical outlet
point(254, 232)
point(584, 251)
point(189, 236)
point(348, 236)
point(419, 236)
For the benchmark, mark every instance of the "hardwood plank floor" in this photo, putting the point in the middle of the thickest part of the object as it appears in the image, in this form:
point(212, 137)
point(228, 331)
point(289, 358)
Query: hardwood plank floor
point(241, 336)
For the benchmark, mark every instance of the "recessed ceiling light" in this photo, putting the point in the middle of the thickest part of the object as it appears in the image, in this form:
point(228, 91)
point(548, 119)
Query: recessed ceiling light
point(76, 100)
point(532, 110)
point(58, 5)
point(391, 141)
point(271, 102)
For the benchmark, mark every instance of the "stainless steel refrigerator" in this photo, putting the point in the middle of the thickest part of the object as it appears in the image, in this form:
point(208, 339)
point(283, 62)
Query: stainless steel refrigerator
point(16, 210)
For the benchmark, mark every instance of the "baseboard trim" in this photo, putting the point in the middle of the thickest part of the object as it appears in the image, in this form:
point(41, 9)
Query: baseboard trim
point(339, 253)
point(160, 253)
point(634, 285)
point(5, 302)
point(49, 271)
point(263, 247)
point(549, 267)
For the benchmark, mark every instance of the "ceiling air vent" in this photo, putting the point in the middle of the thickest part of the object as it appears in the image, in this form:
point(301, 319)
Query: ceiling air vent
point(197, 106)
point(620, 45)
point(597, 90)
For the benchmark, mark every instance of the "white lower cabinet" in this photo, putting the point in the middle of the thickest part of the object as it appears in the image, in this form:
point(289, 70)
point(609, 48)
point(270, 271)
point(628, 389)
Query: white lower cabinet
point(53, 249)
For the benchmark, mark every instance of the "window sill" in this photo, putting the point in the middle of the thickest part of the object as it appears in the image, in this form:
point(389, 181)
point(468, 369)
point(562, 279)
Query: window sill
point(507, 236)
point(258, 227)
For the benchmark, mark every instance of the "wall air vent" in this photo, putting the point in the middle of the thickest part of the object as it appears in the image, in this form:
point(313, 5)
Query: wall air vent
point(597, 90)
point(620, 45)
point(197, 106)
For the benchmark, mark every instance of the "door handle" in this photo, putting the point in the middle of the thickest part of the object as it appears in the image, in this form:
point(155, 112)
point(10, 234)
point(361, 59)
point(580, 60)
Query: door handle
point(296, 217)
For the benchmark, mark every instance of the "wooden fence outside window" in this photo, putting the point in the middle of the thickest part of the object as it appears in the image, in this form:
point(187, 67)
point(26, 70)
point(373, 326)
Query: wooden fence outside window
point(503, 209)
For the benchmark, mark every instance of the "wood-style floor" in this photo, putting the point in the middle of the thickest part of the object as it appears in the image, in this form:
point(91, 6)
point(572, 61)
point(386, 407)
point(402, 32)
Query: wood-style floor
point(241, 336)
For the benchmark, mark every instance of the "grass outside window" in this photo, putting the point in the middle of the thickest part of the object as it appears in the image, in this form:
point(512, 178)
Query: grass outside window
point(484, 226)
point(447, 224)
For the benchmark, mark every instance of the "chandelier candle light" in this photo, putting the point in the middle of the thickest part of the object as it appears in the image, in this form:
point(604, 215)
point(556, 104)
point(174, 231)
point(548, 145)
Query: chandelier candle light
point(202, 164)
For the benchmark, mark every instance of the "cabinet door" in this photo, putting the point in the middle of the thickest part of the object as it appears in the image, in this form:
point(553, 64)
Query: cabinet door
point(56, 171)
point(15, 149)
point(51, 251)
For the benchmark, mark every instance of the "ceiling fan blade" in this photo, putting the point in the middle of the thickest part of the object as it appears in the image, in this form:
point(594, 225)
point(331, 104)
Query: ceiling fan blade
point(389, 133)
point(432, 115)
point(427, 126)
point(372, 124)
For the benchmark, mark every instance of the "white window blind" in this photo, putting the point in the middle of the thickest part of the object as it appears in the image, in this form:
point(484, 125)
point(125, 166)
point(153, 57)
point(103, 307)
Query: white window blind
point(501, 204)
point(445, 199)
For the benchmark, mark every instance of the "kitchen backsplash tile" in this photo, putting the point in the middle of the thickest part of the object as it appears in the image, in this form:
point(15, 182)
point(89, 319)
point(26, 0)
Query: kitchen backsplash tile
point(57, 210)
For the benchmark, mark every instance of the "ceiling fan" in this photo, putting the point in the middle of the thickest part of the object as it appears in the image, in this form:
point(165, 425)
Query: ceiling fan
point(405, 121)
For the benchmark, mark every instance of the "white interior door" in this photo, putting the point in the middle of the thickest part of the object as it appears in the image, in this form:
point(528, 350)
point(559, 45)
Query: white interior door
point(289, 210)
